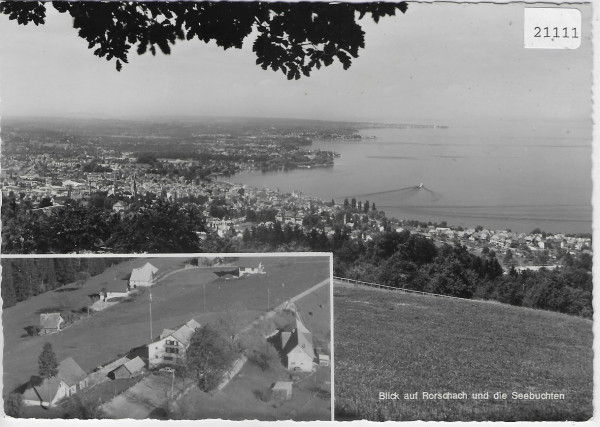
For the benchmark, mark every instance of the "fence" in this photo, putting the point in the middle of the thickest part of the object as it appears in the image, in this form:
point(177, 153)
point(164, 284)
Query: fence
point(391, 288)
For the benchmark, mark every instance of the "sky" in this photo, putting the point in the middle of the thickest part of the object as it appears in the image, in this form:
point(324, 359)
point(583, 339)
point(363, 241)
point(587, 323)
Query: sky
point(438, 63)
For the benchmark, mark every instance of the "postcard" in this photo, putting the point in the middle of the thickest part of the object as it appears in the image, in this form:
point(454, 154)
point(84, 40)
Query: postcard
point(440, 151)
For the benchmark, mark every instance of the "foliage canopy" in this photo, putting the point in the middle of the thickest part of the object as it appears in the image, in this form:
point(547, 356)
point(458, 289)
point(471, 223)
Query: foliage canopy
point(209, 356)
point(290, 37)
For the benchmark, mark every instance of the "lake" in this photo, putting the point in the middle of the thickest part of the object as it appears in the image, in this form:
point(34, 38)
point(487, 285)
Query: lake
point(512, 175)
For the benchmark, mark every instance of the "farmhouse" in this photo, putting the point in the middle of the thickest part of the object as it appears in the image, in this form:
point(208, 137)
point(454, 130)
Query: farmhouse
point(172, 344)
point(69, 380)
point(143, 276)
point(228, 274)
point(129, 369)
point(249, 270)
point(237, 272)
point(50, 322)
point(297, 346)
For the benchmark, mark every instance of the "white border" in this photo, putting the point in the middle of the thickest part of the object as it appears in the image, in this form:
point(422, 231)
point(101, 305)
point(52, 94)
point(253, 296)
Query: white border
point(596, 245)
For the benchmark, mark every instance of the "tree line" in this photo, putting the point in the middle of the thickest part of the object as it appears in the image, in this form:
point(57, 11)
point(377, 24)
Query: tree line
point(394, 259)
point(412, 261)
point(23, 278)
point(151, 226)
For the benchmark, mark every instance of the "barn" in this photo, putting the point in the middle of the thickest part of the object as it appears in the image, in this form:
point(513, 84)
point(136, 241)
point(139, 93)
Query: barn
point(297, 346)
point(143, 276)
point(129, 369)
point(47, 392)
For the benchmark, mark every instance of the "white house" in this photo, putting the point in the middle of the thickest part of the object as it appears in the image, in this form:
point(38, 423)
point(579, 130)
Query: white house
point(143, 276)
point(249, 270)
point(172, 344)
point(69, 380)
point(297, 346)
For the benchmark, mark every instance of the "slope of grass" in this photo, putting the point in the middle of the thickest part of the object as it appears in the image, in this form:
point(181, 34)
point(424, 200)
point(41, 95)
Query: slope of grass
point(392, 342)
point(106, 335)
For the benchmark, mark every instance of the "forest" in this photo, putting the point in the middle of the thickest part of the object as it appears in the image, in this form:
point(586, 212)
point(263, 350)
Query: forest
point(411, 261)
point(402, 260)
point(23, 278)
point(74, 228)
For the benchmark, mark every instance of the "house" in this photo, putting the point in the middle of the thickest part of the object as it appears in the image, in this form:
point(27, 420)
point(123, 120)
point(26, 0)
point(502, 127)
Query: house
point(228, 274)
point(129, 369)
point(50, 322)
point(297, 346)
point(68, 381)
point(143, 276)
point(249, 270)
point(282, 390)
point(172, 344)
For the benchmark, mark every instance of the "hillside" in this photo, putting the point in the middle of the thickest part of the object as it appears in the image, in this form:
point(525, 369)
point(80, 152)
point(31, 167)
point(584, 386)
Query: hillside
point(386, 341)
point(240, 399)
point(176, 299)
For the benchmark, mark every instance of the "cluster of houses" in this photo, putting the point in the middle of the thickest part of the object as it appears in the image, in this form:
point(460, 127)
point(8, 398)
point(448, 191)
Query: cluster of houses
point(71, 379)
point(293, 208)
point(507, 239)
point(144, 276)
point(294, 342)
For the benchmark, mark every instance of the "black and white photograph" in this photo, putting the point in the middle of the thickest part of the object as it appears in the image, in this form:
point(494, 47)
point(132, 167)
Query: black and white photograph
point(441, 151)
point(203, 337)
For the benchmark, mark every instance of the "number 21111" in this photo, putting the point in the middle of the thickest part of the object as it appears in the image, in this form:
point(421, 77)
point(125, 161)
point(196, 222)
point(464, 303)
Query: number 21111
point(547, 32)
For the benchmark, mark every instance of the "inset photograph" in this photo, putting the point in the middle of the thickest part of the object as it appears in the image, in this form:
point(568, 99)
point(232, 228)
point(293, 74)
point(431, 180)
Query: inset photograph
point(163, 337)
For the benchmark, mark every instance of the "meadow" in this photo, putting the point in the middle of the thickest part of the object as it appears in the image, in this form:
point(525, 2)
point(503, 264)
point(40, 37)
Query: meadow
point(386, 341)
point(111, 333)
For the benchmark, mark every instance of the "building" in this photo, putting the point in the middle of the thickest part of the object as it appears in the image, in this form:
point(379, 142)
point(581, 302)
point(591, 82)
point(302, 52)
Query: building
point(297, 346)
point(50, 323)
point(143, 276)
point(243, 271)
point(172, 344)
point(129, 369)
point(47, 392)
point(237, 272)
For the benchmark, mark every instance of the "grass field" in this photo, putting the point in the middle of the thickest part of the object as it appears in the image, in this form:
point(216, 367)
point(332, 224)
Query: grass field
point(104, 336)
point(392, 342)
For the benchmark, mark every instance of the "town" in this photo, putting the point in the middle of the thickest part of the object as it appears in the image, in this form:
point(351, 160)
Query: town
point(155, 196)
point(274, 352)
point(231, 209)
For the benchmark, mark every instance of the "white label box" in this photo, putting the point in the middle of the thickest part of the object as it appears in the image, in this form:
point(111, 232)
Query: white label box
point(552, 28)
